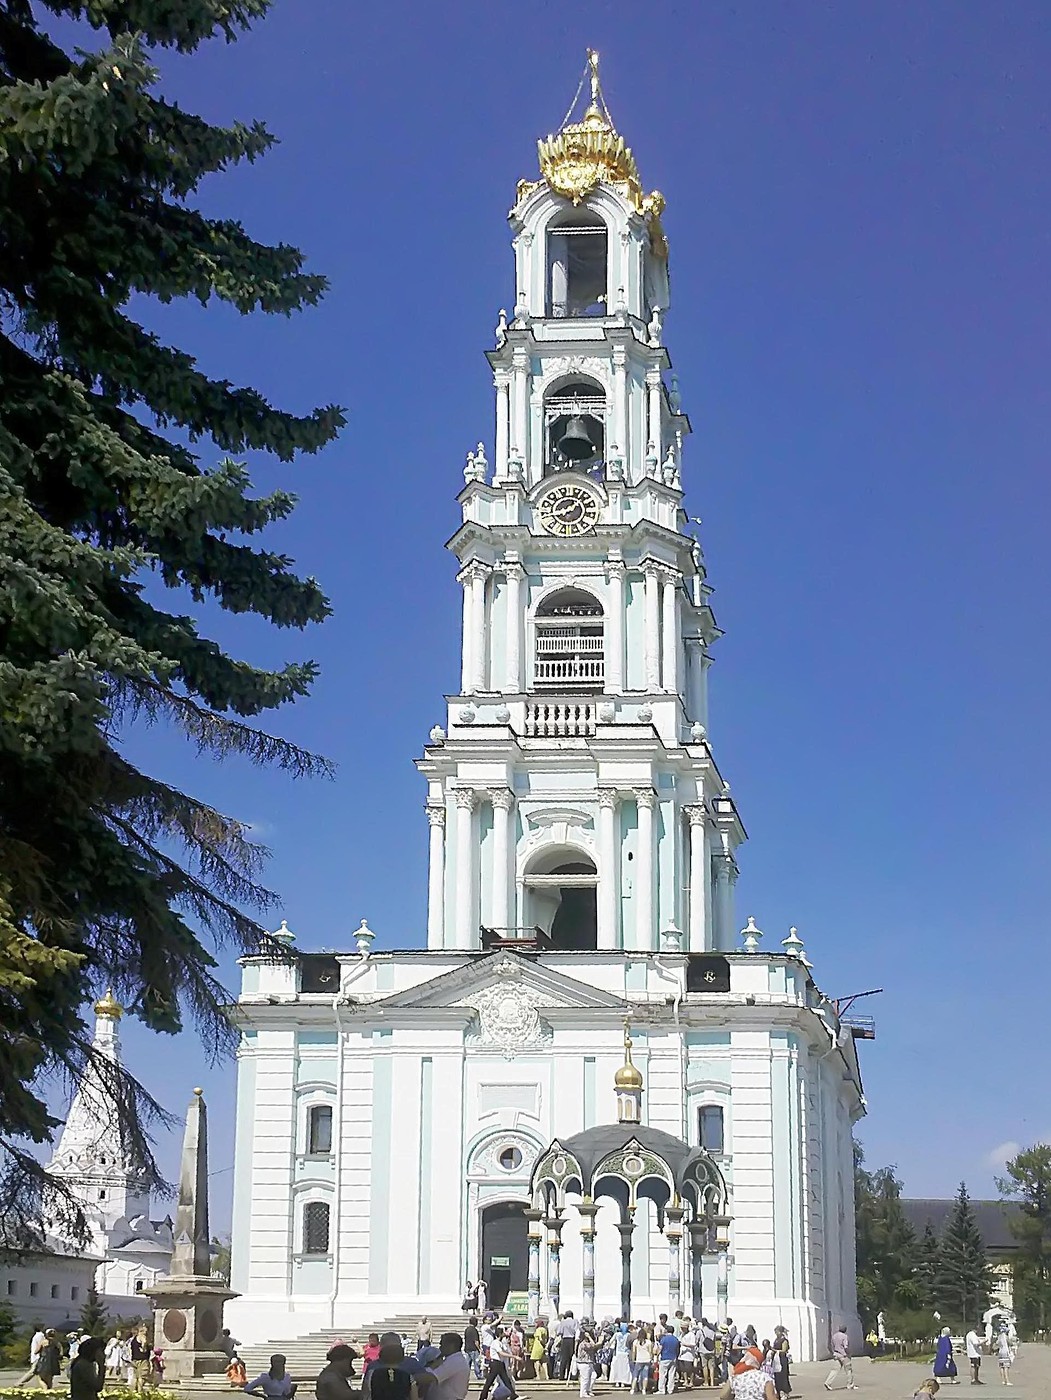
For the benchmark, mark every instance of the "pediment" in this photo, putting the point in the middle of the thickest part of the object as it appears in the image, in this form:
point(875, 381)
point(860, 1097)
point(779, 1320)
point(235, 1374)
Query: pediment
point(504, 973)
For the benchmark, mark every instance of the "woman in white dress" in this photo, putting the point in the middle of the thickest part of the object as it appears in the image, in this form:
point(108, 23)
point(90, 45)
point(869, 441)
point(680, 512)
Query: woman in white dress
point(1004, 1357)
point(752, 1383)
point(620, 1367)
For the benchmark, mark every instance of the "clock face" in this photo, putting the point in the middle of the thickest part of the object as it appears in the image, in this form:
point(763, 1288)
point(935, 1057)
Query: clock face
point(568, 509)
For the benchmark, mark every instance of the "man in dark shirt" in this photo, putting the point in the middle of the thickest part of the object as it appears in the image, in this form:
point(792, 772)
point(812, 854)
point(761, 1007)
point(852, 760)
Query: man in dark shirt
point(472, 1347)
point(334, 1381)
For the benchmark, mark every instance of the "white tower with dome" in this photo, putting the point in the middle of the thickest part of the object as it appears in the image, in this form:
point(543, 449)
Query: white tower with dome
point(403, 1109)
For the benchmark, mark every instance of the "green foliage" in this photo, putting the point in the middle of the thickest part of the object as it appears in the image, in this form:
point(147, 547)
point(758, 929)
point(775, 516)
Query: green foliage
point(93, 1315)
point(963, 1279)
point(108, 875)
point(220, 1252)
point(8, 1324)
point(926, 1271)
point(911, 1325)
point(1028, 1181)
point(885, 1243)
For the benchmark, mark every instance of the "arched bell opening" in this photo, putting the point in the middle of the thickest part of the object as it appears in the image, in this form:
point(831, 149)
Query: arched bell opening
point(577, 257)
point(570, 642)
point(561, 898)
point(575, 426)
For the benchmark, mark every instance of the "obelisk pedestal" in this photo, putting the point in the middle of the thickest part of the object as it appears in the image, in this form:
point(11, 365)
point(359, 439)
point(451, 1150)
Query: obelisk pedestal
point(188, 1303)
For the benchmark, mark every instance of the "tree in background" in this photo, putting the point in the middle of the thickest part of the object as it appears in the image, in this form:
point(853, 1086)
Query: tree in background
point(107, 874)
point(963, 1279)
point(1028, 1181)
point(94, 1318)
point(886, 1243)
point(926, 1268)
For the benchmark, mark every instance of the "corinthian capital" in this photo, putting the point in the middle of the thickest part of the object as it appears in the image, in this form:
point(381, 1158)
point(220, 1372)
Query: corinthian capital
point(464, 798)
point(646, 797)
point(607, 798)
point(695, 815)
point(435, 814)
point(503, 798)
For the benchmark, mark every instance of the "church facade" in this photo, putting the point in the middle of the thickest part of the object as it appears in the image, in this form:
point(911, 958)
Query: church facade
point(402, 1113)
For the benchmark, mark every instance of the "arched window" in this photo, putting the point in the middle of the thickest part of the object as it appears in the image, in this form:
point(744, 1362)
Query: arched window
point(576, 264)
point(575, 424)
point(710, 1128)
point(315, 1227)
point(319, 1130)
point(569, 642)
point(561, 898)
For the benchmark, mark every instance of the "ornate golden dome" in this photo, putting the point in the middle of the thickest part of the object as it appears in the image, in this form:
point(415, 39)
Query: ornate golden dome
point(109, 1006)
point(628, 1076)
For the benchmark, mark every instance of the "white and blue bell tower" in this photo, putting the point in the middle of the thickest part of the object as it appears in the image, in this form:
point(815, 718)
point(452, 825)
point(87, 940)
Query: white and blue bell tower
point(573, 795)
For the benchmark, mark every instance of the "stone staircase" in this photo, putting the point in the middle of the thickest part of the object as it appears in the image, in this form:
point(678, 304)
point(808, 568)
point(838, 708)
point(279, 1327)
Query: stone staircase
point(306, 1355)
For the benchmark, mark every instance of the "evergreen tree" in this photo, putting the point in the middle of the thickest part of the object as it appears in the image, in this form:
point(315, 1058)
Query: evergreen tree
point(963, 1279)
point(107, 874)
point(927, 1259)
point(94, 1318)
point(885, 1243)
point(1028, 1181)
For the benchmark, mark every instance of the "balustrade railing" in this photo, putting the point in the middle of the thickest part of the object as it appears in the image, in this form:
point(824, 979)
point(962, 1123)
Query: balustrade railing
point(570, 719)
point(567, 641)
point(569, 671)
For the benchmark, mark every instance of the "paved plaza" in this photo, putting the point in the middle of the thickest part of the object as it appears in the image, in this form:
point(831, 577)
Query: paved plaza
point(876, 1380)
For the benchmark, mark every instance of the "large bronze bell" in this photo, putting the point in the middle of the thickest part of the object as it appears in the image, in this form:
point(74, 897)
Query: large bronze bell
point(575, 444)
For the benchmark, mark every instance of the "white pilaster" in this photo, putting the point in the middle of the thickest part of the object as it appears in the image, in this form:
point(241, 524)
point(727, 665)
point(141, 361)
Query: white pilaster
point(503, 801)
point(653, 416)
point(467, 632)
point(698, 933)
point(725, 877)
point(607, 869)
point(514, 573)
point(520, 407)
point(651, 573)
point(646, 799)
point(476, 577)
point(615, 571)
point(670, 644)
point(620, 400)
point(463, 933)
point(503, 423)
point(436, 877)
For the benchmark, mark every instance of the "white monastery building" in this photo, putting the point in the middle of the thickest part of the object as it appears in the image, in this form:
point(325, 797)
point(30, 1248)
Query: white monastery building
point(95, 1164)
point(412, 1119)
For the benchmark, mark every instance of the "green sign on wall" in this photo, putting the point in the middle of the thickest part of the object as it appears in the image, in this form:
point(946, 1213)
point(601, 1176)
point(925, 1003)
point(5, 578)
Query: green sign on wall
point(517, 1304)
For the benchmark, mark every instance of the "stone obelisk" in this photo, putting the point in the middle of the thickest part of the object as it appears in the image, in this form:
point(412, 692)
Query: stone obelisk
point(188, 1303)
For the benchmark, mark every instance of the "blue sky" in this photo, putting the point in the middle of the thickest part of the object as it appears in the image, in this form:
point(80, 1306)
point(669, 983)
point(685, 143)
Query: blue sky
point(859, 205)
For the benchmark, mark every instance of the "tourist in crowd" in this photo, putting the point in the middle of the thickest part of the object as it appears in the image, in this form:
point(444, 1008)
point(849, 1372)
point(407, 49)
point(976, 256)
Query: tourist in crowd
point(782, 1376)
point(481, 1294)
point(87, 1374)
point(944, 1361)
point(641, 1361)
point(566, 1331)
point(227, 1345)
point(587, 1360)
point(516, 1343)
point(620, 1366)
point(423, 1334)
point(371, 1350)
point(333, 1383)
point(1004, 1356)
point(49, 1360)
point(472, 1347)
point(275, 1384)
point(389, 1378)
point(975, 1344)
point(706, 1352)
point(111, 1356)
point(687, 1353)
point(450, 1368)
point(236, 1373)
point(926, 1388)
point(157, 1366)
point(36, 1346)
point(470, 1298)
point(844, 1365)
point(538, 1349)
point(499, 1356)
point(668, 1362)
point(749, 1381)
point(140, 1353)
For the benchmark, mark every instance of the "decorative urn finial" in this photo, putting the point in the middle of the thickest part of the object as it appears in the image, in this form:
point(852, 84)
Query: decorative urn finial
point(363, 937)
point(751, 936)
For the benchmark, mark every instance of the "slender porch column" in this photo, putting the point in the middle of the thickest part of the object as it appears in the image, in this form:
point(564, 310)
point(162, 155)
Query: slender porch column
point(722, 1284)
point(698, 933)
point(607, 869)
point(587, 1211)
point(515, 573)
point(627, 1229)
point(646, 799)
point(476, 577)
point(615, 571)
point(465, 880)
point(534, 1218)
point(503, 423)
point(698, 1230)
point(503, 802)
point(554, 1251)
point(670, 642)
point(651, 573)
point(673, 1232)
point(436, 877)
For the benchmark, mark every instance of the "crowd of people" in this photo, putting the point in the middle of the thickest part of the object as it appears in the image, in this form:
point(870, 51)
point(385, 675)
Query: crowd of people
point(126, 1357)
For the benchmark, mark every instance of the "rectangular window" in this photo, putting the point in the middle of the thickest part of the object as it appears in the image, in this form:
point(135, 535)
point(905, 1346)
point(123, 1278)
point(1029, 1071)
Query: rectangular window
point(319, 1130)
point(710, 1127)
point(74, 1293)
point(12, 1288)
point(54, 1290)
point(315, 1227)
point(34, 1289)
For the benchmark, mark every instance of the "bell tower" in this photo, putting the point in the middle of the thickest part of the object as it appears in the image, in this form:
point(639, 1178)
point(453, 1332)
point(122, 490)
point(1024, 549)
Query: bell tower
point(573, 797)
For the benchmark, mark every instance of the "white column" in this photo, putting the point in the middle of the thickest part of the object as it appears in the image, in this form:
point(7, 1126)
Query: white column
point(607, 869)
point(476, 576)
point(653, 417)
point(652, 626)
point(725, 874)
point(670, 644)
point(513, 628)
point(463, 933)
point(503, 801)
point(520, 406)
point(467, 634)
point(436, 878)
point(644, 939)
point(698, 933)
point(503, 424)
point(620, 404)
point(615, 571)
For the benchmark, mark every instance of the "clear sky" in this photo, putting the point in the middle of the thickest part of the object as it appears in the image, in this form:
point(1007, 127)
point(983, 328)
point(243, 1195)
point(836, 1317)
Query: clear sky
point(859, 204)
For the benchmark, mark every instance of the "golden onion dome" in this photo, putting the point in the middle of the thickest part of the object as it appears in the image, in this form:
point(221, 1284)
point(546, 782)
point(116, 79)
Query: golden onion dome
point(628, 1076)
point(109, 1006)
